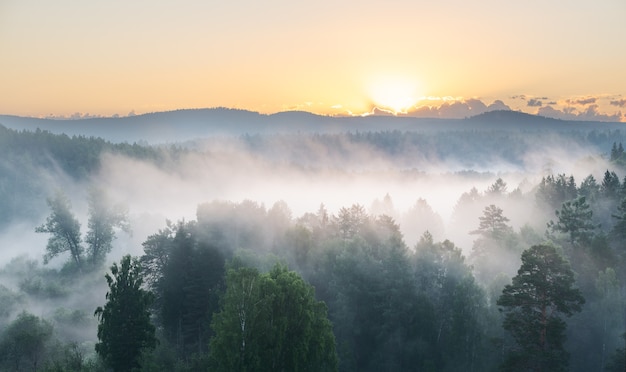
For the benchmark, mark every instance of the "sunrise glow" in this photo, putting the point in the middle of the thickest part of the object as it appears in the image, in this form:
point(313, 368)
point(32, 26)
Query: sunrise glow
point(397, 94)
point(63, 58)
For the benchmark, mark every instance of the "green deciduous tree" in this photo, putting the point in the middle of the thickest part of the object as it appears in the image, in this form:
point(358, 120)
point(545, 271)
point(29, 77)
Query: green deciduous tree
point(23, 343)
point(540, 294)
point(65, 230)
point(125, 330)
point(271, 322)
point(104, 218)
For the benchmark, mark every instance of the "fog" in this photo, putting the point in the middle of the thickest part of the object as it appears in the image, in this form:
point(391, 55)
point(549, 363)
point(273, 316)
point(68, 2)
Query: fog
point(420, 187)
point(353, 174)
point(305, 172)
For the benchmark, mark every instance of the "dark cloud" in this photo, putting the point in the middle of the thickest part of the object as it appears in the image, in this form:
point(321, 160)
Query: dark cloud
point(590, 113)
point(534, 103)
point(521, 96)
point(582, 101)
point(618, 102)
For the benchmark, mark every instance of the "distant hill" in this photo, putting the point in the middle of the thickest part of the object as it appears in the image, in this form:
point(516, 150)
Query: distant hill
point(183, 125)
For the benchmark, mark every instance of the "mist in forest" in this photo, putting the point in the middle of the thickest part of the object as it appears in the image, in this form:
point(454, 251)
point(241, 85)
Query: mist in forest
point(307, 173)
point(418, 189)
point(279, 182)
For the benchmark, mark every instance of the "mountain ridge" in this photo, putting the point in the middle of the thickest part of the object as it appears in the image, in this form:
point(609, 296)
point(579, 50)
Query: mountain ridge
point(186, 124)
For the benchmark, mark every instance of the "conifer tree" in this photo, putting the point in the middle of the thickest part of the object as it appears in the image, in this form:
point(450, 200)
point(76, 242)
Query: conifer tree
point(534, 304)
point(125, 330)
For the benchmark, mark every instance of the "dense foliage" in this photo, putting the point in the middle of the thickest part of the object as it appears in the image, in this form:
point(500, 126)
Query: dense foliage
point(272, 322)
point(541, 293)
point(125, 330)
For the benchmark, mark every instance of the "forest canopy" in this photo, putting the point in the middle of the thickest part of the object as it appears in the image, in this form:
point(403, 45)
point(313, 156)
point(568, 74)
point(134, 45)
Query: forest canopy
point(349, 286)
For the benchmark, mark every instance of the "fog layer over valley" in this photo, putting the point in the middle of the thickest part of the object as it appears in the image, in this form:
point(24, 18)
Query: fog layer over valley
point(426, 226)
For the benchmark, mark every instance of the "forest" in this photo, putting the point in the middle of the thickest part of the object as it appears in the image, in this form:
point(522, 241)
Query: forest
point(365, 251)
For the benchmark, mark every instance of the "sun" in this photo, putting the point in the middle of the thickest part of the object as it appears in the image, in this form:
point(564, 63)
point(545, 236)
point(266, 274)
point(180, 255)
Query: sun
point(394, 93)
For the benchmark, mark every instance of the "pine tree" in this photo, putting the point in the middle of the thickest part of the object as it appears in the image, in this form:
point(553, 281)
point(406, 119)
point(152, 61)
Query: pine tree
point(540, 294)
point(493, 224)
point(575, 219)
point(610, 187)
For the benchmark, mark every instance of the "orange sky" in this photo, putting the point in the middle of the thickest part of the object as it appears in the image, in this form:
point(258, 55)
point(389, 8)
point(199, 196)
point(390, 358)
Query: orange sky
point(104, 58)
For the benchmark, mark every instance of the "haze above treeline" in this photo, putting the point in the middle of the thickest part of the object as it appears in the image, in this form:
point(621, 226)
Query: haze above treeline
point(212, 154)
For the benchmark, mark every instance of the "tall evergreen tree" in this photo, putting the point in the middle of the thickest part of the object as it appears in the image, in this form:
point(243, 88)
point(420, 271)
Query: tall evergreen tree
point(617, 151)
point(534, 304)
point(589, 188)
point(493, 224)
point(554, 191)
point(498, 188)
point(619, 228)
point(575, 221)
point(185, 272)
point(496, 242)
point(610, 186)
point(125, 330)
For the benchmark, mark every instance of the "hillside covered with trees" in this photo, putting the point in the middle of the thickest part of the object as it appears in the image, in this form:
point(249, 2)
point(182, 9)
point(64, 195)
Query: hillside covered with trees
point(521, 276)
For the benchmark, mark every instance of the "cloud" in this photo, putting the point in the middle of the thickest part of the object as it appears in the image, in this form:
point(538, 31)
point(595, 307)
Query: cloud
point(582, 101)
point(458, 109)
point(618, 102)
point(378, 111)
point(590, 113)
point(534, 103)
point(78, 116)
point(524, 97)
point(498, 105)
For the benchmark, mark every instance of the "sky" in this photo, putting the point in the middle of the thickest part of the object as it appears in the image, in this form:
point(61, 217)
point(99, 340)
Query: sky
point(451, 58)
